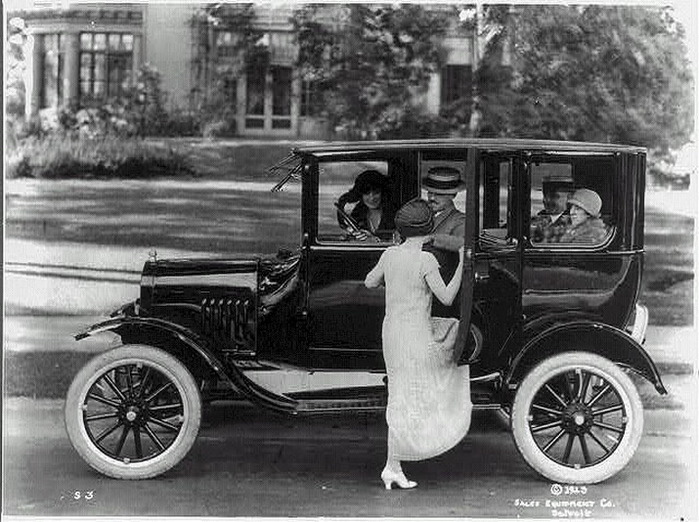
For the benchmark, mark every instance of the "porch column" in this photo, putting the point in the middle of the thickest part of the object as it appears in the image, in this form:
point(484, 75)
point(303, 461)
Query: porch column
point(71, 72)
point(295, 102)
point(137, 57)
point(241, 108)
point(33, 82)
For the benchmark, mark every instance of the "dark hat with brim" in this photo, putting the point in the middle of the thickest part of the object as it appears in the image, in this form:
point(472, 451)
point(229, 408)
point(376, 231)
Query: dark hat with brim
point(560, 183)
point(368, 180)
point(443, 180)
point(414, 218)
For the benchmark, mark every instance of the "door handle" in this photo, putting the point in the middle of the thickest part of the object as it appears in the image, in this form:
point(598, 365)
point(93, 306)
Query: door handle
point(482, 277)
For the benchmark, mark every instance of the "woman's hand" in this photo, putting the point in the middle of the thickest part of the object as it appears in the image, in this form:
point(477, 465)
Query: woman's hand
point(461, 254)
point(361, 235)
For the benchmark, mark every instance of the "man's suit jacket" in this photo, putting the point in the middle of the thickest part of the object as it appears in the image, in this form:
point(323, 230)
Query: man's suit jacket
point(449, 229)
point(448, 232)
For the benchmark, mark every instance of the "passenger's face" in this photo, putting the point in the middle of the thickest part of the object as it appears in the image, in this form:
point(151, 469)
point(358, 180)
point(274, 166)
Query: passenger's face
point(555, 201)
point(372, 199)
point(577, 215)
point(439, 202)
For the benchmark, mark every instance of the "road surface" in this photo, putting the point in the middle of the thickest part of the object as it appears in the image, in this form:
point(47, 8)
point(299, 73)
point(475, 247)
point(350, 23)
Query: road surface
point(247, 462)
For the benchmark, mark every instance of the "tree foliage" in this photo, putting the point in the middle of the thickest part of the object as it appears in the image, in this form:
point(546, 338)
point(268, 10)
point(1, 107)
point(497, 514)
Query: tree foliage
point(219, 74)
point(370, 63)
point(594, 73)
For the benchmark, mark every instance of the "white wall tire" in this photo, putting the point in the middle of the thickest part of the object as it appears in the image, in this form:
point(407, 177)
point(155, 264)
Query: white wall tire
point(586, 434)
point(133, 412)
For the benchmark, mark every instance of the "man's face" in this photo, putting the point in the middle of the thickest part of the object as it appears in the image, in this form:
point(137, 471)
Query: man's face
point(555, 201)
point(439, 202)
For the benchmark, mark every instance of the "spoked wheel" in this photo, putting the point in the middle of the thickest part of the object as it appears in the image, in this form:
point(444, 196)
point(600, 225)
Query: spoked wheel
point(577, 418)
point(133, 412)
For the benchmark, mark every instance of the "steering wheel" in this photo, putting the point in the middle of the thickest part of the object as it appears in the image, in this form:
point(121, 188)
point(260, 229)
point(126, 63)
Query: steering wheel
point(348, 220)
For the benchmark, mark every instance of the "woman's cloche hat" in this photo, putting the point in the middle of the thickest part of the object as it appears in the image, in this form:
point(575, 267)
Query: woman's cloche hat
point(588, 200)
point(414, 218)
point(443, 180)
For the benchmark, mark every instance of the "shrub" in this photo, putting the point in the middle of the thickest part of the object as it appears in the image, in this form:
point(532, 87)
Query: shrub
point(63, 155)
point(410, 122)
point(218, 129)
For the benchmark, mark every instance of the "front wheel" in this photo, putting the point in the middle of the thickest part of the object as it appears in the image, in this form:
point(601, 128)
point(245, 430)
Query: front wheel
point(577, 418)
point(133, 412)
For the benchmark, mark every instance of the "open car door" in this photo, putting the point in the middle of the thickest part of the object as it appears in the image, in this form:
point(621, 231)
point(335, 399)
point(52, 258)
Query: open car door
point(468, 349)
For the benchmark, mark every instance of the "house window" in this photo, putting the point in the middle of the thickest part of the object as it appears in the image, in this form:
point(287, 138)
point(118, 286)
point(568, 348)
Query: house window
point(105, 64)
point(281, 97)
point(230, 91)
point(311, 98)
point(225, 44)
point(53, 54)
point(456, 84)
point(255, 98)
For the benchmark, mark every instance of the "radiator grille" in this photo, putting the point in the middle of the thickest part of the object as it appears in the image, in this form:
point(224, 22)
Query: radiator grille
point(230, 322)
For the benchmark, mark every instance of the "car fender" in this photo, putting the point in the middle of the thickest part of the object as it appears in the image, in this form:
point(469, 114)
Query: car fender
point(134, 329)
point(602, 339)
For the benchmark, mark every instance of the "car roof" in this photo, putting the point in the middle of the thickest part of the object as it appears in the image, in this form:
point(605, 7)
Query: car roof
point(490, 144)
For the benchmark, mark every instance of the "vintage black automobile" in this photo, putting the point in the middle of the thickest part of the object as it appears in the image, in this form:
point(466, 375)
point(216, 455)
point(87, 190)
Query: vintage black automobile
point(555, 327)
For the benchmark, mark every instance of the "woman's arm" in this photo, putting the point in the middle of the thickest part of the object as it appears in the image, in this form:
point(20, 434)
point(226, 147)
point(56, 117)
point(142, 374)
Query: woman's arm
point(375, 277)
point(446, 293)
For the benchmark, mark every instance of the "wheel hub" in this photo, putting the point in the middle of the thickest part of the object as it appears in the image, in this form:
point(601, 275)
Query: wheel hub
point(132, 413)
point(577, 418)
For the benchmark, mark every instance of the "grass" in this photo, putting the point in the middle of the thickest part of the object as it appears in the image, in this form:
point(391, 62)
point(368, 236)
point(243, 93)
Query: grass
point(61, 156)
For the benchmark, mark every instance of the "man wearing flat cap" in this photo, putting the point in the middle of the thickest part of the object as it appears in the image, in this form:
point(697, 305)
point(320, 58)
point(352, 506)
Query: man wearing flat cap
point(549, 225)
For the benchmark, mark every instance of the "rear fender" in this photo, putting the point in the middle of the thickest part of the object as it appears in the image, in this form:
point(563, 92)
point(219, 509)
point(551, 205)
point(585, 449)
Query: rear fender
point(607, 341)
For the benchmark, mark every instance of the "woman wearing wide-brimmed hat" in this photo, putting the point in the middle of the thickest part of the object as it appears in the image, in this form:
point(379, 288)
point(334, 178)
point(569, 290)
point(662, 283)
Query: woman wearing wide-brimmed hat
point(429, 400)
point(372, 212)
point(585, 223)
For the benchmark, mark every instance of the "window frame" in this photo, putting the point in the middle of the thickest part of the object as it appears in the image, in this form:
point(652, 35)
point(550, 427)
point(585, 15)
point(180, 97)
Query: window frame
point(109, 57)
point(613, 203)
point(401, 169)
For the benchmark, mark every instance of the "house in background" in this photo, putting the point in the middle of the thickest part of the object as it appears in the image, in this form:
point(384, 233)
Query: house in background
point(83, 53)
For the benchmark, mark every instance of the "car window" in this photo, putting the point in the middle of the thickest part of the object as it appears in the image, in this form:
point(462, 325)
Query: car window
point(571, 201)
point(355, 201)
point(495, 191)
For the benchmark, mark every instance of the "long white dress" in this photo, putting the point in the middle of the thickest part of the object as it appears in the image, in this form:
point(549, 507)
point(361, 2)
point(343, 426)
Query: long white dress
point(429, 400)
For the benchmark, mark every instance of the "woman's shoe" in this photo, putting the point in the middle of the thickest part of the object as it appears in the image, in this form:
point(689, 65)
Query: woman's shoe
point(390, 477)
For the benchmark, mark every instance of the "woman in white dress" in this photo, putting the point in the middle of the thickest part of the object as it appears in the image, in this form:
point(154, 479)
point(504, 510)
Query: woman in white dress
point(429, 401)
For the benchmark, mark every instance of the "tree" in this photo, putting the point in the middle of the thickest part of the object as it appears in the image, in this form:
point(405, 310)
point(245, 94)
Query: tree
point(594, 73)
point(370, 63)
point(14, 55)
point(245, 47)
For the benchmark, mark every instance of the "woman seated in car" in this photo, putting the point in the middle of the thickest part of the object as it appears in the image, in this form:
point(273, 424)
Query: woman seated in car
point(372, 216)
point(585, 223)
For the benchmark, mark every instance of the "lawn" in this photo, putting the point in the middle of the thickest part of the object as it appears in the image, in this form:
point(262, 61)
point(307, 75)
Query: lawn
point(230, 210)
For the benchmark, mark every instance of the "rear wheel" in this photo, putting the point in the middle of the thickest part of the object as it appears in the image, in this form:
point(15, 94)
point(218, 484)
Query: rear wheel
point(577, 418)
point(133, 412)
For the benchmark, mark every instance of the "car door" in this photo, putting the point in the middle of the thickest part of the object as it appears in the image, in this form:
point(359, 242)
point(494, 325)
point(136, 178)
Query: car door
point(343, 317)
point(498, 260)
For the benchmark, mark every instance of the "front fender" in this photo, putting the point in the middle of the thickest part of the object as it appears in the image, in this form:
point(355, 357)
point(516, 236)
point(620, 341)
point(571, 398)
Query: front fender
point(599, 338)
point(150, 330)
point(134, 328)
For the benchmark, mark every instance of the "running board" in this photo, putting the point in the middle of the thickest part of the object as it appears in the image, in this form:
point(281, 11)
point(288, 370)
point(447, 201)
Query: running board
point(334, 406)
point(372, 398)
